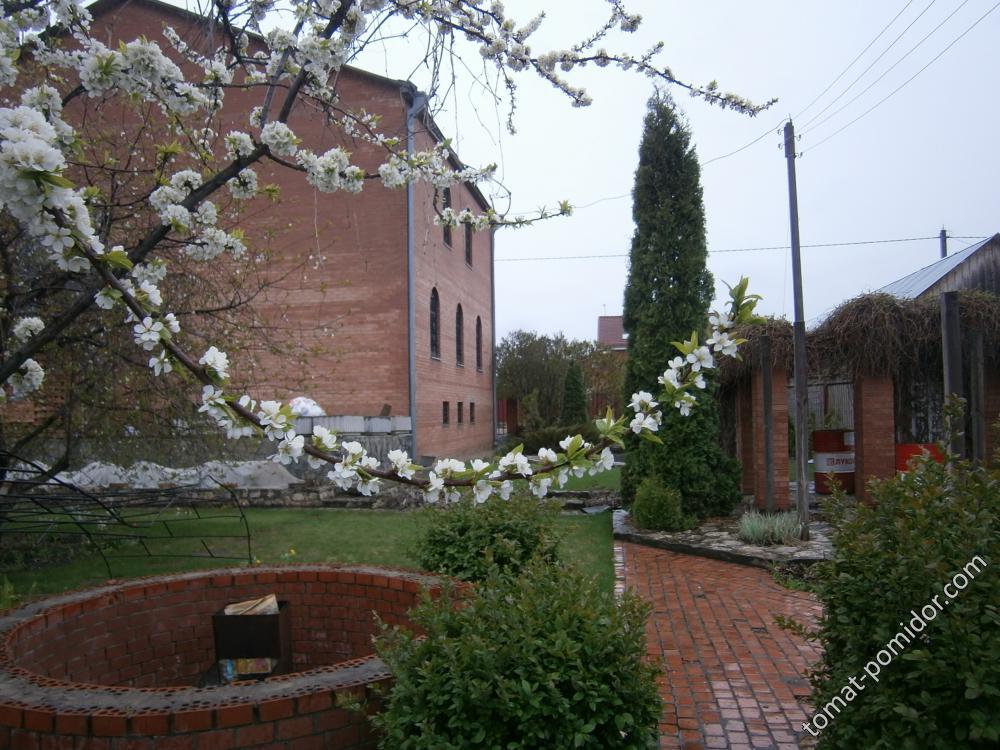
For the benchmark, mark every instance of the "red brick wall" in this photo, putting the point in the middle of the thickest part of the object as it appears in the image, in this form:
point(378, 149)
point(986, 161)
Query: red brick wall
point(117, 667)
point(779, 442)
point(874, 431)
point(745, 437)
point(338, 273)
point(991, 407)
point(438, 380)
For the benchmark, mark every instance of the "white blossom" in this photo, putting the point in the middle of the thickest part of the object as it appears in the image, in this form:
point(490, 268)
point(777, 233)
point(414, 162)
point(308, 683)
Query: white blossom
point(147, 333)
point(547, 455)
point(171, 322)
point(160, 364)
point(701, 358)
point(482, 490)
point(25, 328)
point(401, 464)
point(643, 421)
point(26, 380)
point(515, 463)
point(605, 462)
point(216, 361)
point(642, 401)
point(278, 137)
point(289, 448)
point(540, 486)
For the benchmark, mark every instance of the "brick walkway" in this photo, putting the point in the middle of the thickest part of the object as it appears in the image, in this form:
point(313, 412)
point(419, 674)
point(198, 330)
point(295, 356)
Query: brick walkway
point(731, 677)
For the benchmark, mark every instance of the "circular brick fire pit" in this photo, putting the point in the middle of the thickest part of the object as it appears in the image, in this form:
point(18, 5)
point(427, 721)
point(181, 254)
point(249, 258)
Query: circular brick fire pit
point(120, 665)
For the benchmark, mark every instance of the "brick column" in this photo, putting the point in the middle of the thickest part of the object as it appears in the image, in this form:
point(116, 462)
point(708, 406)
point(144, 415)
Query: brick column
point(991, 408)
point(874, 431)
point(779, 407)
point(745, 437)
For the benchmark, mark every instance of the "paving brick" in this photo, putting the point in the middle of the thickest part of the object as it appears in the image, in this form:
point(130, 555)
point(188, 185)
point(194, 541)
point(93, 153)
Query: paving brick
point(726, 665)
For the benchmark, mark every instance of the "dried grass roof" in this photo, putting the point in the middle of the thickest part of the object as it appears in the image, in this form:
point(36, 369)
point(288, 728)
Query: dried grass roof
point(874, 334)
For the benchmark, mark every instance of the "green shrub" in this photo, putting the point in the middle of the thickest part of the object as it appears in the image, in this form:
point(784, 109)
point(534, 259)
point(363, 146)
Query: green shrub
point(769, 528)
point(547, 659)
point(942, 688)
point(464, 539)
point(549, 437)
point(658, 508)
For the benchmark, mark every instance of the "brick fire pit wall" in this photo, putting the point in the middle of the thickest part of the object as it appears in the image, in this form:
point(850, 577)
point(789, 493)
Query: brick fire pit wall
point(117, 667)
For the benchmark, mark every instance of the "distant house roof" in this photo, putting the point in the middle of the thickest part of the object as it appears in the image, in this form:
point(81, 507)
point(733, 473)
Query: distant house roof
point(977, 267)
point(611, 333)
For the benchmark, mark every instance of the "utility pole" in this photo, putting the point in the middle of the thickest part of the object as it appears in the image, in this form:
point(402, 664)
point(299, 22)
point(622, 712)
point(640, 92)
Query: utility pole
point(944, 242)
point(799, 332)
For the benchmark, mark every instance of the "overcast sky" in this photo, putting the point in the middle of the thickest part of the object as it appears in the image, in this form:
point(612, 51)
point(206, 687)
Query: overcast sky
point(924, 159)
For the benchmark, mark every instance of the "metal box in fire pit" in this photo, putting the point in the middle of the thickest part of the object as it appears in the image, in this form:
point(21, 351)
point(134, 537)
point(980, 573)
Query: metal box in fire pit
point(240, 637)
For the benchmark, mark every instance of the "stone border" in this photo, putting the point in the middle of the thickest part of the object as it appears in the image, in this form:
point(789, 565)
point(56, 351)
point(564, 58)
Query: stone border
point(762, 557)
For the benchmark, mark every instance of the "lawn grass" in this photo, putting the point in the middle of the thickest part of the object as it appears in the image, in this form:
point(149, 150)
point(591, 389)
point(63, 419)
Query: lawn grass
point(315, 534)
point(606, 480)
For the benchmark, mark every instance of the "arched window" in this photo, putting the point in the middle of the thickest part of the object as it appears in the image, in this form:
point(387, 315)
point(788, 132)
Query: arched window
point(459, 337)
point(446, 204)
point(479, 344)
point(435, 325)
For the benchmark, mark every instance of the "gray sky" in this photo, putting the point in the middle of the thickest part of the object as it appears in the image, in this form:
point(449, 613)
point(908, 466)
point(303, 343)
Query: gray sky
point(923, 159)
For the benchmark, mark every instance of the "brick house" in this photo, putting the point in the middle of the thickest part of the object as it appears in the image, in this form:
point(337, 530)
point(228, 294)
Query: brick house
point(396, 314)
point(611, 333)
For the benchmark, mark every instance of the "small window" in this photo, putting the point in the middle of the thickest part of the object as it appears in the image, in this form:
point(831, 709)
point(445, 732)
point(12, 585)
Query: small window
point(472, 412)
point(445, 413)
point(435, 325)
point(479, 343)
point(459, 412)
point(446, 204)
point(468, 244)
point(459, 337)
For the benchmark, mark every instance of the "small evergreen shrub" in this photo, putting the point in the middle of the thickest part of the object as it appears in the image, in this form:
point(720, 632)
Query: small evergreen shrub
point(942, 688)
point(549, 437)
point(658, 508)
point(769, 528)
point(547, 659)
point(464, 539)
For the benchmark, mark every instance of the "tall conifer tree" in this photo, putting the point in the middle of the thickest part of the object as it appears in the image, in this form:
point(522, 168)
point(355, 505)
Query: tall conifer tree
point(574, 406)
point(667, 296)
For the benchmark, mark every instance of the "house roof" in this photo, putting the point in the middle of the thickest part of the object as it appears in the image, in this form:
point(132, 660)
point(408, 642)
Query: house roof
point(918, 282)
point(101, 7)
point(611, 332)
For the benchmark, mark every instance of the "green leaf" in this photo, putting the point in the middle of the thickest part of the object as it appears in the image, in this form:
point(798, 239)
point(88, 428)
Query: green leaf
point(118, 259)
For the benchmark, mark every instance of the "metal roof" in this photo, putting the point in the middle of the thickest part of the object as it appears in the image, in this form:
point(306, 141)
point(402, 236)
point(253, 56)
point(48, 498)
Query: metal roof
point(918, 282)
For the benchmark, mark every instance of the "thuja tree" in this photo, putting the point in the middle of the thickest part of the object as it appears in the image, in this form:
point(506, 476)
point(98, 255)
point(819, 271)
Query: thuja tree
point(667, 296)
point(574, 406)
point(52, 69)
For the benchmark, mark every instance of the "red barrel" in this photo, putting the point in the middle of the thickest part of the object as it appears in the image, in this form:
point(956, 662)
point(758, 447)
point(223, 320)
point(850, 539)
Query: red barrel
point(906, 451)
point(833, 458)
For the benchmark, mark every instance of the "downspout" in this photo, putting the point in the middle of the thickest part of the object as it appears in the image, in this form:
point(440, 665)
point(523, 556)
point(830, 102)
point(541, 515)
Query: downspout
point(493, 333)
point(417, 101)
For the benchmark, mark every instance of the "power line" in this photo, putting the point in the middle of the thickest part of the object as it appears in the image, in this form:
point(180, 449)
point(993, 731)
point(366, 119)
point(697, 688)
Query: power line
point(885, 73)
point(851, 64)
point(756, 140)
point(747, 249)
point(777, 127)
point(870, 66)
point(908, 80)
